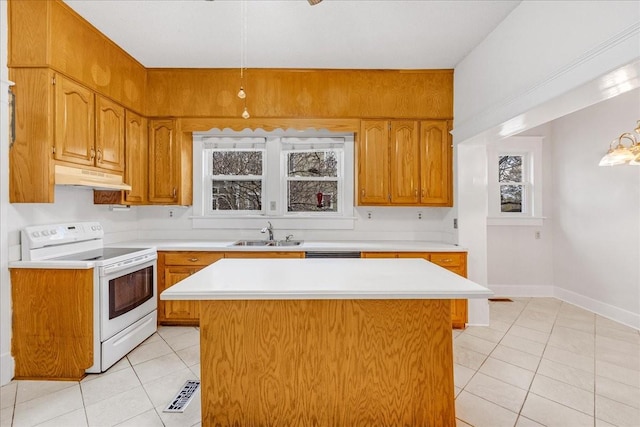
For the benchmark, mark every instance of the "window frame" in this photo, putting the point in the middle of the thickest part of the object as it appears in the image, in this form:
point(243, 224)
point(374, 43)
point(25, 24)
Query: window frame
point(530, 148)
point(274, 204)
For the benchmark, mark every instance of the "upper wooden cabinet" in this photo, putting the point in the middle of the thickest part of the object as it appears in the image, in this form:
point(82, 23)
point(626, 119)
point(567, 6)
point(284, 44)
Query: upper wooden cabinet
point(436, 160)
point(110, 123)
point(373, 163)
point(74, 122)
point(84, 134)
point(136, 159)
point(404, 163)
point(169, 164)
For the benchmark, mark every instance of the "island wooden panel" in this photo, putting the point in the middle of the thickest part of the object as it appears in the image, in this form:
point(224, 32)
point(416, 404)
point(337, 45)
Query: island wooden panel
point(52, 323)
point(327, 363)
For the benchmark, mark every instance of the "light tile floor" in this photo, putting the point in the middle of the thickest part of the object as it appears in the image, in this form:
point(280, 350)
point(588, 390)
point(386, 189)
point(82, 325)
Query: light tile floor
point(541, 362)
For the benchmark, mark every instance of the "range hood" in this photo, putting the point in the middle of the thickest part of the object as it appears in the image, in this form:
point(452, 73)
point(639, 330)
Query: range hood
point(66, 175)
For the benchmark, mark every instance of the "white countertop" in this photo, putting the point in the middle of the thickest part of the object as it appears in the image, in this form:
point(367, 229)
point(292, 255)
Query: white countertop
point(227, 246)
point(267, 279)
point(355, 245)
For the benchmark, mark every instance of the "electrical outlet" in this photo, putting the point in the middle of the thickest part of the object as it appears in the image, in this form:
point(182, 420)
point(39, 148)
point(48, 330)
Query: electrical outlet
point(369, 215)
point(172, 213)
point(537, 234)
point(455, 222)
point(419, 214)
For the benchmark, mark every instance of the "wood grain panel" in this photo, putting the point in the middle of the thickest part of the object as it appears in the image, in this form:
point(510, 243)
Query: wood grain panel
point(327, 363)
point(31, 177)
point(80, 51)
point(164, 158)
point(29, 33)
point(52, 323)
point(305, 93)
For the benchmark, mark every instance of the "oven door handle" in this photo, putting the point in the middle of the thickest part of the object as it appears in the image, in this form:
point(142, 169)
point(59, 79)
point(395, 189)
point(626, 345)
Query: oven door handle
point(126, 264)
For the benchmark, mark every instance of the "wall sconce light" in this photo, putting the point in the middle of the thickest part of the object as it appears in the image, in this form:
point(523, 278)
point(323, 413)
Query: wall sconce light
point(620, 154)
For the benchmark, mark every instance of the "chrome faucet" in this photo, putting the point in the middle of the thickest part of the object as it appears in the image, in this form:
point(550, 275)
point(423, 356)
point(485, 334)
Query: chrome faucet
point(268, 229)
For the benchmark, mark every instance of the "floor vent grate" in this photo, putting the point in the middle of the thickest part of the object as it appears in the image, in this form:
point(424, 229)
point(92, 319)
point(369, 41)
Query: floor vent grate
point(182, 399)
point(500, 300)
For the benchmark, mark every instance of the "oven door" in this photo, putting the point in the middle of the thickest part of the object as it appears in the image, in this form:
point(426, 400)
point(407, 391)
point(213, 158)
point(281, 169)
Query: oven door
point(127, 294)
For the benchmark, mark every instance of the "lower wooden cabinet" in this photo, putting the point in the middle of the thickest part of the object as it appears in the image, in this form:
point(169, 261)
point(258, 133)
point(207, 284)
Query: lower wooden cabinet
point(452, 261)
point(172, 268)
point(175, 266)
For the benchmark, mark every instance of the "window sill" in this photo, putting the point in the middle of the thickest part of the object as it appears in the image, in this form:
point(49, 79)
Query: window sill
point(527, 221)
point(279, 222)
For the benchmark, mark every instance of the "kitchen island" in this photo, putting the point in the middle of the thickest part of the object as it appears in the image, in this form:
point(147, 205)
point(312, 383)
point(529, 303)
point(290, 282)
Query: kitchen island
point(326, 342)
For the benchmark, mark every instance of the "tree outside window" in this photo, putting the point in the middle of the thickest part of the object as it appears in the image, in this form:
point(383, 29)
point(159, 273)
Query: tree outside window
point(512, 187)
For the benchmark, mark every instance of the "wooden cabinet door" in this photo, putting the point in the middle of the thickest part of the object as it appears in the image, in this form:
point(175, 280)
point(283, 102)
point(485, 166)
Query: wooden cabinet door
point(179, 310)
point(373, 163)
point(164, 160)
point(136, 168)
point(405, 162)
point(74, 133)
point(109, 135)
point(436, 163)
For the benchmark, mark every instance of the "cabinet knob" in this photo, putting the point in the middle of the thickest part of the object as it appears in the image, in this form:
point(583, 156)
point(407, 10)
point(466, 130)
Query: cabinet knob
point(193, 259)
point(362, 192)
point(99, 155)
point(92, 154)
point(447, 260)
point(422, 192)
point(175, 192)
point(416, 192)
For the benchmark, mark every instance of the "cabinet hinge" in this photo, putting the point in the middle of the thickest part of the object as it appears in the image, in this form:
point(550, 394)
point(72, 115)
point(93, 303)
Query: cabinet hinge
point(53, 80)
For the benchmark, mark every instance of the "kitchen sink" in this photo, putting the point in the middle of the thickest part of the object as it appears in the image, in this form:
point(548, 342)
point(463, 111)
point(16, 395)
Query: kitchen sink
point(287, 243)
point(267, 243)
point(253, 243)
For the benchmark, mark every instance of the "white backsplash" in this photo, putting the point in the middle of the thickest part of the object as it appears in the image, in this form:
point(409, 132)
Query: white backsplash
point(386, 223)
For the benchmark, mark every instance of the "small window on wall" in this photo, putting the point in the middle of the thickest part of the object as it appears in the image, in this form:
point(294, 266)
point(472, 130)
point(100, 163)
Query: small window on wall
point(515, 181)
point(313, 174)
point(234, 176)
point(512, 186)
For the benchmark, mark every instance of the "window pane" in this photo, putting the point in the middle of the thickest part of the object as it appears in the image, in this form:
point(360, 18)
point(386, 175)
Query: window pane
point(510, 169)
point(236, 163)
point(237, 195)
point(511, 198)
point(312, 196)
point(310, 164)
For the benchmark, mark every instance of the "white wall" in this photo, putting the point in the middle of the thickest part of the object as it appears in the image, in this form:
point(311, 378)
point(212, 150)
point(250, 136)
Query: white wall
point(540, 51)
point(597, 211)
point(518, 263)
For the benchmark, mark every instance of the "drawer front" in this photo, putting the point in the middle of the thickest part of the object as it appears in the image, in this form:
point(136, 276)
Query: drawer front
point(192, 258)
point(448, 259)
point(259, 254)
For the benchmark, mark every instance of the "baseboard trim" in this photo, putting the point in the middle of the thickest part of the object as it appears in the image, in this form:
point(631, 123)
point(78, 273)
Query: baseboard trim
point(522, 290)
point(7, 368)
point(603, 309)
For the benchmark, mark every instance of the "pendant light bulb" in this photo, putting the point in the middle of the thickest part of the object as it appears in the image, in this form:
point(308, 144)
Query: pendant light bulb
point(245, 113)
point(241, 93)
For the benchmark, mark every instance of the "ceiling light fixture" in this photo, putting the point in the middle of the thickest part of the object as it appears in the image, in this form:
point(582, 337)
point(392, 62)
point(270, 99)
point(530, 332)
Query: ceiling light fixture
point(243, 56)
point(620, 154)
point(313, 2)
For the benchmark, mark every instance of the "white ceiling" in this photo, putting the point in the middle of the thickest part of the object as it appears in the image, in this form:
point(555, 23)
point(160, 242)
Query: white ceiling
point(379, 34)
